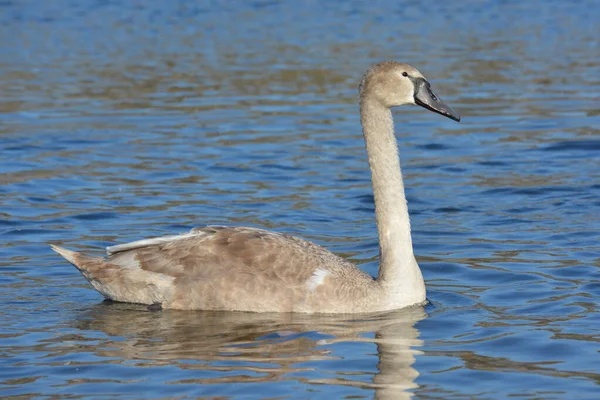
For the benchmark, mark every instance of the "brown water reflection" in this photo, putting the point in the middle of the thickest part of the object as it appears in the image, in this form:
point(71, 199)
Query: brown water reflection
point(257, 347)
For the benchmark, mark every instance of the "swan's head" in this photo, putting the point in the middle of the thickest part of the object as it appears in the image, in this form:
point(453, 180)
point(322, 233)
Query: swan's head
point(392, 84)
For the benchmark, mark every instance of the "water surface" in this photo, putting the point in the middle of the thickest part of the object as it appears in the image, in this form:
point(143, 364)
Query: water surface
point(121, 120)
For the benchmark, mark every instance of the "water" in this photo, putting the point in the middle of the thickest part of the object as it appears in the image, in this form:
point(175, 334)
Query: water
point(122, 120)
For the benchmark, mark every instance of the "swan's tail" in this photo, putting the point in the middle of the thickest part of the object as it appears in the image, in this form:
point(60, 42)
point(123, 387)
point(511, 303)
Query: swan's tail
point(79, 260)
point(119, 283)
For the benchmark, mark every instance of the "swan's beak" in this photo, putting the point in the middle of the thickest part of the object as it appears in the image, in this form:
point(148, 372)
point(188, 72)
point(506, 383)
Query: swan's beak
point(425, 97)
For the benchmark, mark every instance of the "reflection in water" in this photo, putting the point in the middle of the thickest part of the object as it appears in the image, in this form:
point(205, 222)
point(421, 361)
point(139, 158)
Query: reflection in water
point(251, 347)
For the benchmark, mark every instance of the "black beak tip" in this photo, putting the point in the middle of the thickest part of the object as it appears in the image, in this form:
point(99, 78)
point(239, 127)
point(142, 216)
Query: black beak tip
point(426, 98)
point(446, 111)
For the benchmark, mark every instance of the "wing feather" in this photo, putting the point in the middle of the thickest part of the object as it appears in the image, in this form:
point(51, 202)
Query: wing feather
point(217, 267)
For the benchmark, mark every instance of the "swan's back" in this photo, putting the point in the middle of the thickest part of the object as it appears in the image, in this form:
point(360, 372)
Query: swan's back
point(229, 268)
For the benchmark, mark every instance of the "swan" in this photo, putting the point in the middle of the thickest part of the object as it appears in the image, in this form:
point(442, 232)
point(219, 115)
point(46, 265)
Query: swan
point(248, 269)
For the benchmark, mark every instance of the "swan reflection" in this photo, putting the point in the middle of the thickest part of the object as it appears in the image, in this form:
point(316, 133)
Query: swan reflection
point(232, 347)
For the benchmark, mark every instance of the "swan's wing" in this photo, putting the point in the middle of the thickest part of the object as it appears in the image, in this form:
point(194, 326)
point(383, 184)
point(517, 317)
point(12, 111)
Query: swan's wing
point(218, 267)
point(216, 250)
point(138, 244)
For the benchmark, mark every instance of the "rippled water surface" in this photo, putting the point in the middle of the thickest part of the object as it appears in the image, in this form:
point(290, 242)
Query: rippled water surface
point(128, 119)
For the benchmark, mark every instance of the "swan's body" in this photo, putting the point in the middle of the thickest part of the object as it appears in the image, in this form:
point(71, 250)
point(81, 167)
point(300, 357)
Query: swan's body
point(248, 269)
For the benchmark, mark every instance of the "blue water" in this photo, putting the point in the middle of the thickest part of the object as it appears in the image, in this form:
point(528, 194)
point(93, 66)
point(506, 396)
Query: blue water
point(121, 120)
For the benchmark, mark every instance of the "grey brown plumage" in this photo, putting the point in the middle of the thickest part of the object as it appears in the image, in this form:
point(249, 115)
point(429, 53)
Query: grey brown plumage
point(249, 269)
point(227, 268)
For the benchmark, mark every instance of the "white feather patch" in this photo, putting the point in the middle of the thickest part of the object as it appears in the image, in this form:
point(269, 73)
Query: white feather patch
point(317, 278)
point(151, 242)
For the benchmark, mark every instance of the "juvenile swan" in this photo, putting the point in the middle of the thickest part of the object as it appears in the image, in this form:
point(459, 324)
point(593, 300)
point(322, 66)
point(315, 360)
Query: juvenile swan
point(248, 269)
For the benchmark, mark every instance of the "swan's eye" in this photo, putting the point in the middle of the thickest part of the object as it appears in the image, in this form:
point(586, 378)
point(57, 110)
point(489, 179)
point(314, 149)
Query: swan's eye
point(405, 73)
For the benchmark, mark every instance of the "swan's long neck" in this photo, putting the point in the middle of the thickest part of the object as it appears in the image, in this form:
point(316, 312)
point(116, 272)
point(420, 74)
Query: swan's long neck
point(399, 273)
